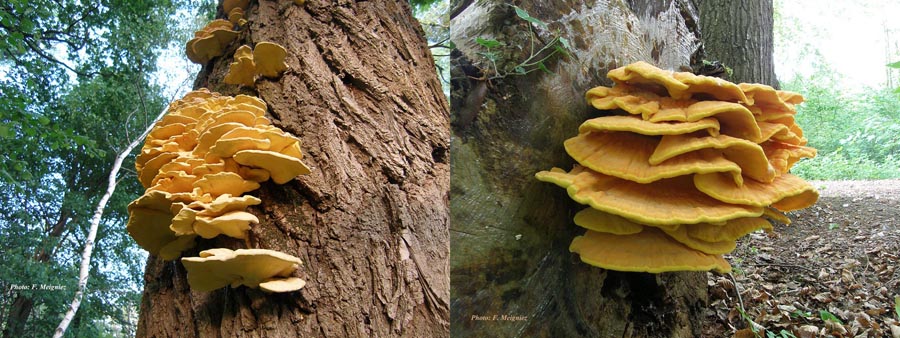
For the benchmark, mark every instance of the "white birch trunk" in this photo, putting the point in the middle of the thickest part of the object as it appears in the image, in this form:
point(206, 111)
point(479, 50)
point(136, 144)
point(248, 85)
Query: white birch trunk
point(95, 223)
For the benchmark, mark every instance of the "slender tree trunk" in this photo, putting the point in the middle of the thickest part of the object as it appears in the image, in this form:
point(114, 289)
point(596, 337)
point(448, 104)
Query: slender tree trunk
point(512, 273)
point(739, 35)
point(84, 271)
point(371, 221)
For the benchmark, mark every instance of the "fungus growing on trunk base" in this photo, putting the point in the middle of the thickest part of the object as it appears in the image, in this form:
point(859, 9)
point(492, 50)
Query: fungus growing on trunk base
point(693, 164)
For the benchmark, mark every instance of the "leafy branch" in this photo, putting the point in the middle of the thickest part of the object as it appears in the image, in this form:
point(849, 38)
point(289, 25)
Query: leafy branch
point(536, 58)
point(895, 65)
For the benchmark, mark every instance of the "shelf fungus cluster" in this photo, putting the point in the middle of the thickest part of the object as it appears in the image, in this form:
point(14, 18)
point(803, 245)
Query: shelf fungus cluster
point(197, 163)
point(267, 60)
point(210, 41)
point(683, 167)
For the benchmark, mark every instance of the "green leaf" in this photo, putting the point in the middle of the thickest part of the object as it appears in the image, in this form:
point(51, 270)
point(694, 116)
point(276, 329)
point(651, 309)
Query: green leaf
point(799, 313)
point(488, 43)
point(4, 131)
point(519, 70)
point(491, 56)
point(541, 66)
point(43, 120)
point(786, 334)
point(833, 226)
point(565, 43)
point(826, 316)
point(562, 51)
point(894, 64)
point(525, 16)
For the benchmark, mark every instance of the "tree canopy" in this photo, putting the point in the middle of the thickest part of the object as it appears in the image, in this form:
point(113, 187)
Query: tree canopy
point(76, 85)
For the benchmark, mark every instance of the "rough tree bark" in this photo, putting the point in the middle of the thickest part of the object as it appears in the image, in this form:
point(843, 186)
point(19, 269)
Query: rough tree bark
point(510, 233)
point(739, 35)
point(371, 221)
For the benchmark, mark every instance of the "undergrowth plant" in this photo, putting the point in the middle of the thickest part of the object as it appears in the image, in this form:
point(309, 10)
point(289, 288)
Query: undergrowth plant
point(855, 132)
point(538, 53)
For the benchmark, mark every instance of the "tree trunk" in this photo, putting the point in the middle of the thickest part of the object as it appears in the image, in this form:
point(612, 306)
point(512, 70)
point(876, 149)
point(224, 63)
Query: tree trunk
point(739, 35)
point(18, 315)
point(511, 272)
point(21, 307)
point(371, 221)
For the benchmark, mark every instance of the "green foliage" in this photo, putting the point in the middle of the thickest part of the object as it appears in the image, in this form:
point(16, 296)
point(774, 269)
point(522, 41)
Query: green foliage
point(536, 58)
point(798, 313)
point(854, 133)
point(435, 20)
point(75, 88)
point(783, 334)
point(418, 4)
point(826, 316)
point(897, 66)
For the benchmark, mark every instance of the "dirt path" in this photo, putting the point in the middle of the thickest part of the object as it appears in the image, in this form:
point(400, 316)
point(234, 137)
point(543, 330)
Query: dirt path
point(839, 256)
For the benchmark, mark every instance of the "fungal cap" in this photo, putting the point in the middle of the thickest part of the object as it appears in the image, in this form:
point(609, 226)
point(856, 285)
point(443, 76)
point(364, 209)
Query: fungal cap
point(225, 183)
point(210, 41)
point(636, 124)
point(148, 224)
point(786, 193)
point(282, 284)
point(269, 58)
point(232, 224)
point(730, 231)
point(596, 220)
point(282, 168)
point(642, 73)
point(633, 253)
point(629, 156)
point(670, 201)
point(225, 203)
point(243, 70)
point(681, 235)
point(217, 268)
point(235, 15)
point(748, 155)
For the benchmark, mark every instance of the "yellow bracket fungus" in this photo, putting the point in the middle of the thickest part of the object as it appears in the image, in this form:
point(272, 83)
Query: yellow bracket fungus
point(236, 16)
point(650, 250)
point(217, 268)
point(210, 41)
point(269, 59)
point(697, 163)
point(266, 60)
point(196, 164)
point(243, 70)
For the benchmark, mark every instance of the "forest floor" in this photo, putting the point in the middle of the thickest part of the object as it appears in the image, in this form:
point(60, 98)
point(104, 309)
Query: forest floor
point(832, 272)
